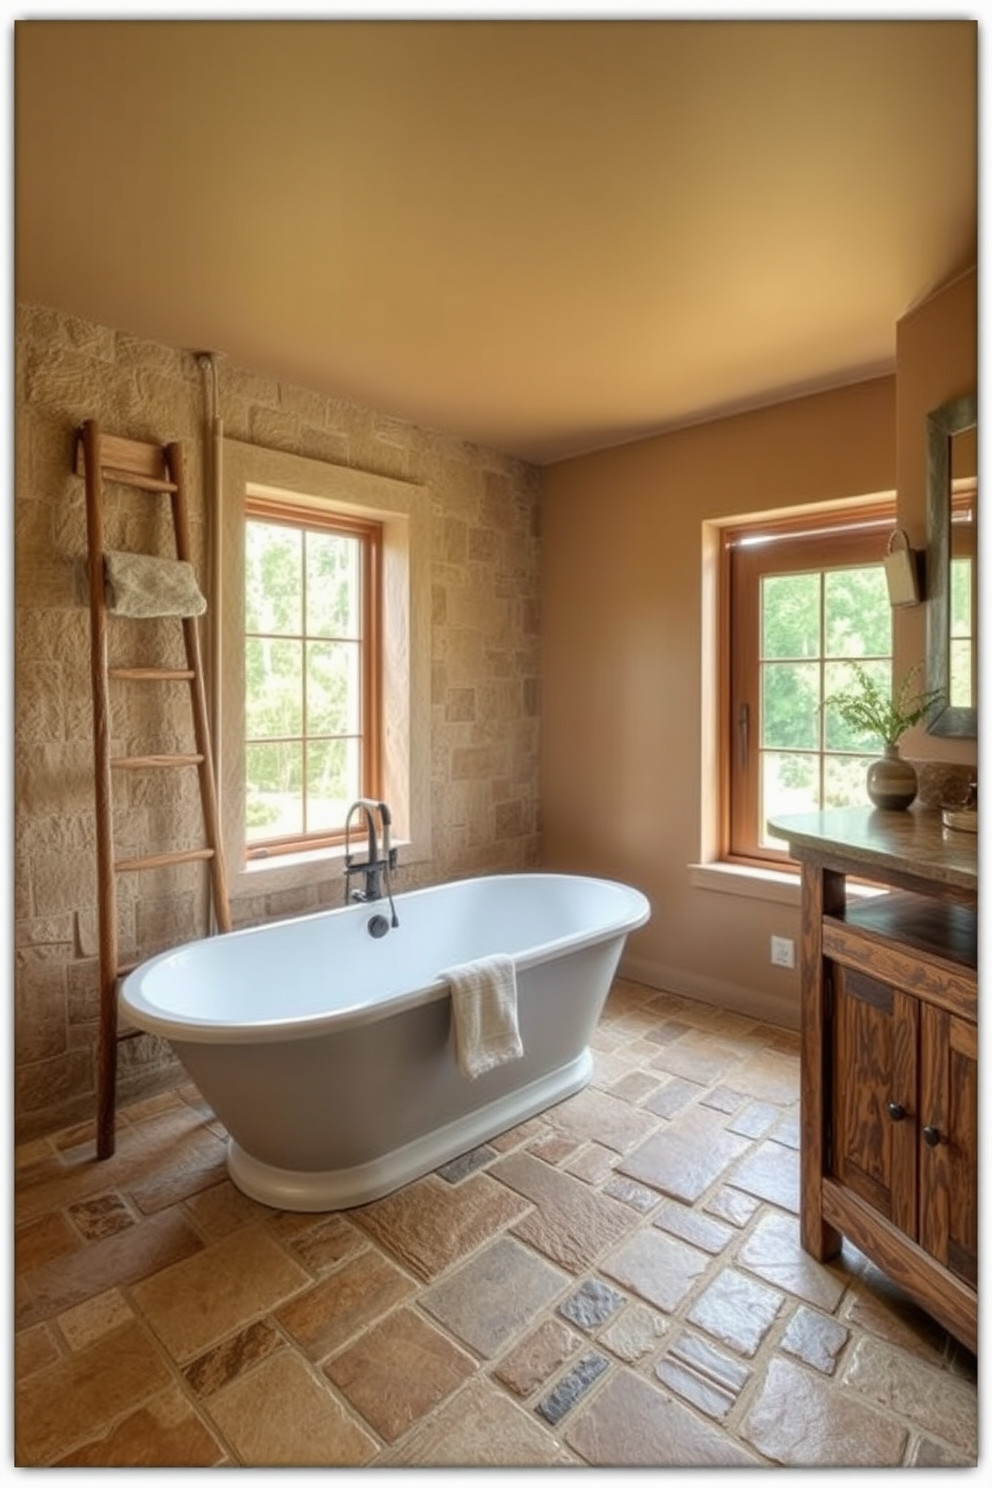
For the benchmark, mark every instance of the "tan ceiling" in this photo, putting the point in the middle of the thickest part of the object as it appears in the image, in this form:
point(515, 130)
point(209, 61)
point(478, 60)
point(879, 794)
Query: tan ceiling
point(544, 236)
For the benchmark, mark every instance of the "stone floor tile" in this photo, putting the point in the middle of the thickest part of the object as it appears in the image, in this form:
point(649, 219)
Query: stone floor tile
point(773, 1252)
point(592, 1164)
point(737, 1310)
point(44, 1239)
point(632, 1423)
point(218, 1366)
point(429, 1225)
point(221, 1208)
point(757, 1118)
point(91, 1320)
point(878, 1304)
point(594, 1115)
point(801, 1420)
point(571, 1387)
point(702, 1375)
point(398, 1372)
point(673, 1096)
point(104, 1214)
point(537, 1357)
point(770, 1172)
point(723, 1098)
point(279, 1415)
point(668, 1031)
point(337, 1308)
point(769, 1076)
point(554, 1147)
point(626, 1191)
point(591, 1305)
point(193, 1303)
point(633, 1087)
point(634, 1332)
point(328, 1243)
point(815, 1339)
point(118, 1260)
point(494, 1296)
point(468, 1162)
point(166, 1432)
point(78, 1397)
point(572, 1224)
point(689, 1224)
point(686, 1156)
point(657, 1267)
point(735, 1207)
point(34, 1349)
point(198, 1164)
point(480, 1427)
point(931, 1399)
point(702, 1061)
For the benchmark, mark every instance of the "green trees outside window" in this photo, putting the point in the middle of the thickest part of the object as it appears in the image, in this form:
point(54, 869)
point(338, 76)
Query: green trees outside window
point(303, 678)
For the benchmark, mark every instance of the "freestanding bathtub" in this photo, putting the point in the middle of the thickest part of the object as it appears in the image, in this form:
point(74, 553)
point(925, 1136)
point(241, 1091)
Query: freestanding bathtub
point(324, 1043)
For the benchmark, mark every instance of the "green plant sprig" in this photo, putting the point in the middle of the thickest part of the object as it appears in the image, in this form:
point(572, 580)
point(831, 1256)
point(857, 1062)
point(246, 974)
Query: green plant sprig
point(870, 710)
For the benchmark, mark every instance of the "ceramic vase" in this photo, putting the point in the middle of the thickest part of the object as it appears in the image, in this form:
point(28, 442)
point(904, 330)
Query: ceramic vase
point(891, 781)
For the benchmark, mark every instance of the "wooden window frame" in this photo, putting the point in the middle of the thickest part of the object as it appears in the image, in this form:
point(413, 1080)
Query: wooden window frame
point(817, 541)
point(305, 517)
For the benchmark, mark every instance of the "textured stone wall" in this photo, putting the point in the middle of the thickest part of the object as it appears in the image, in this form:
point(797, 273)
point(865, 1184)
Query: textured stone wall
point(485, 689)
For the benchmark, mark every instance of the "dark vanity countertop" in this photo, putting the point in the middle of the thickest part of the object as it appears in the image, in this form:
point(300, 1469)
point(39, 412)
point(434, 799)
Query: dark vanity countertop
point(867, 842)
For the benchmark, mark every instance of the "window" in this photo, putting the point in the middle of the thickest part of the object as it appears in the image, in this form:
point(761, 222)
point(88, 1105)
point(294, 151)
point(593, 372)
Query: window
point(804, 599)
point(963, 596)
point(320, 641)
point(311, 673)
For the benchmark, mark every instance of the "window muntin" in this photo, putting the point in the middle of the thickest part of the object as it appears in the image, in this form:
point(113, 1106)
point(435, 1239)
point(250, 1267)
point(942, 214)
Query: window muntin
point(311, 673)
point(805, 599)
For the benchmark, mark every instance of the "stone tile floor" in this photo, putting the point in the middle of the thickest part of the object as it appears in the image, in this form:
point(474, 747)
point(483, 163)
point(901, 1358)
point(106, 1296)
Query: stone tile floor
point(617, 1282)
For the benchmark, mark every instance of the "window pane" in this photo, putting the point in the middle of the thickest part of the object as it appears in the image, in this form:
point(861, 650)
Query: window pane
point(273, 688)
point(273, 790)
point(333, 585)
point(790, 615)
point(333, 782)
point(839, 677)
point(857, 613)
point(273, 579)
point(789, 782)
point(789, 701)
point(844, 779)
point(333, 688)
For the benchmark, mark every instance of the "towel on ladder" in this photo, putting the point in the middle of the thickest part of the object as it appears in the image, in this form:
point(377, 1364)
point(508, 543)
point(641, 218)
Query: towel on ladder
point(484, 1013)
point(144, 587)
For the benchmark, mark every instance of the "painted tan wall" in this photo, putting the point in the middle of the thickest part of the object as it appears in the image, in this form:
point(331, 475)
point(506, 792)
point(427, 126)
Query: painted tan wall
point(628, 635)
point(485, 668)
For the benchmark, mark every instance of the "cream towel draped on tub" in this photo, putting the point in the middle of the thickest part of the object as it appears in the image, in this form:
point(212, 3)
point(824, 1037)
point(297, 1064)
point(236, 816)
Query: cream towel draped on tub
point(484, 1013)
point(144, 587)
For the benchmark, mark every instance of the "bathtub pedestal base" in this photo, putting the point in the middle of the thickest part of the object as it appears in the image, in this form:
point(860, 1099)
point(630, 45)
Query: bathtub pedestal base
point(344, 1188)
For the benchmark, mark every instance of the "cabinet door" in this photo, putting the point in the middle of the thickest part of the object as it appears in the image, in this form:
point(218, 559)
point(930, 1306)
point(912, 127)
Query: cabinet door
point(949, 1141)
point(874, 1128)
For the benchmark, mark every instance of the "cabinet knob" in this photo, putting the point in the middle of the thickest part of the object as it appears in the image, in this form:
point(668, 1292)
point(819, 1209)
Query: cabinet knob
point(896, 1111)
point(931, 1136)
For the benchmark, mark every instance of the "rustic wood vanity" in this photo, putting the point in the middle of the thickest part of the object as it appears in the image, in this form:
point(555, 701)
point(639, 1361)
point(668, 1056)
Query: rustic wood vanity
point(889, 1063)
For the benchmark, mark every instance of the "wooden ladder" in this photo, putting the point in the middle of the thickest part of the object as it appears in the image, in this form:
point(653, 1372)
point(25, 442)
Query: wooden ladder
point(155, 470)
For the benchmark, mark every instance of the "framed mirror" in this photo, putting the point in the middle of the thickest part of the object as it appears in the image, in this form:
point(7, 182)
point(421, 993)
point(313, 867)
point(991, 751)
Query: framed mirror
point(952, 565)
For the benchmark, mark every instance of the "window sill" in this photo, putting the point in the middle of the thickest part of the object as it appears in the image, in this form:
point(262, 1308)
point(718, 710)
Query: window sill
point(773, 885)
point(302, 869)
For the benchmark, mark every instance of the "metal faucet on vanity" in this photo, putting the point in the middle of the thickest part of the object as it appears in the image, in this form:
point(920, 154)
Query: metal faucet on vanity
point(380, 857)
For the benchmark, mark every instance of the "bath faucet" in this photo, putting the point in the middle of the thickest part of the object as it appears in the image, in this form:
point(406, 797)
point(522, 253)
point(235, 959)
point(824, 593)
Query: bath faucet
point(375, 868)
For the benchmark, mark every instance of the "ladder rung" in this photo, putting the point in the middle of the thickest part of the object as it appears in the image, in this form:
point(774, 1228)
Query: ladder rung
point(154, 761)
point(128, 478)
point(164, 860)
point(151, 674)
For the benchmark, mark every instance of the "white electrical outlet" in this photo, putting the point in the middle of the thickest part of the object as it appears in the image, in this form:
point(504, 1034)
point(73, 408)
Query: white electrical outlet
point(783, 951)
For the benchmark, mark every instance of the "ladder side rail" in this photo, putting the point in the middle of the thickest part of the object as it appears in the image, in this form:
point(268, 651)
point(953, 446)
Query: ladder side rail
point(106, 885)
point(201, 728)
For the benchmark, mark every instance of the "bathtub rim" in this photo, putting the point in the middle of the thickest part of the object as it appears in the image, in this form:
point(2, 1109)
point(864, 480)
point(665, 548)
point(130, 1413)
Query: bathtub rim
point(150, 1018)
